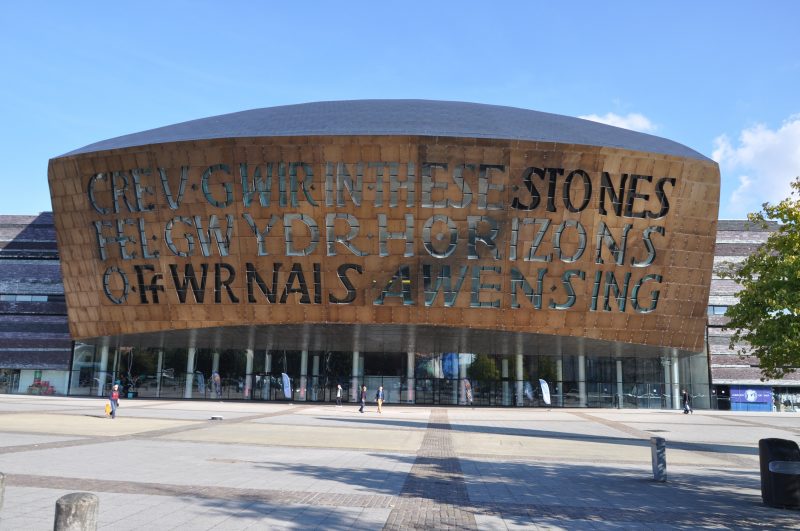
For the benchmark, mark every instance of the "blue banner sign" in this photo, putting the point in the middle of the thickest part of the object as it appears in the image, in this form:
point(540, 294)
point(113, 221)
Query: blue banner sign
point(751, 394)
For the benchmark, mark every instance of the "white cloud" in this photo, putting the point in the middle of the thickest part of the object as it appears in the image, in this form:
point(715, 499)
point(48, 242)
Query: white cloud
point(633, 121)
point(760, 166)
point(741, 196)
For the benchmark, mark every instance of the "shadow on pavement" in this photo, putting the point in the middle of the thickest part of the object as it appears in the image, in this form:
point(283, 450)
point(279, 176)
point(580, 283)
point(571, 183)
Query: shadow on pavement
point(286, 516)
point(524, 493)
point(548, 434)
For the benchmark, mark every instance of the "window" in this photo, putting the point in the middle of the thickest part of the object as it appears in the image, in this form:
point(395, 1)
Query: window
point(717, 310)
point(18, 297)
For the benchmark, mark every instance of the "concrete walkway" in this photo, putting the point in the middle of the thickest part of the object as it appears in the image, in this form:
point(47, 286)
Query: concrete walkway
point(165, 465)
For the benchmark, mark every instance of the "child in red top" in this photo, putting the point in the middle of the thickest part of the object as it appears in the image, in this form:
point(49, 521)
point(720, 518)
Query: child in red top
point(114, 399)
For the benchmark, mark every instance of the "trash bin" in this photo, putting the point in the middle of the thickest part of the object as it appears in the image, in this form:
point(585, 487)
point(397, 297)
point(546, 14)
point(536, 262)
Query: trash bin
point(779, 489)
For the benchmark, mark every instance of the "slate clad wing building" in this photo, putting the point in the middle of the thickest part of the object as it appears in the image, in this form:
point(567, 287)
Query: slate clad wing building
point(737, 380)
point(35, 346)
point(447, 251)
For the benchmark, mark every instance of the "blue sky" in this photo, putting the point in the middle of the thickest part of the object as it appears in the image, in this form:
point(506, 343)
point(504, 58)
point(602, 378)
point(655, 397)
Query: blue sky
point(722, 77)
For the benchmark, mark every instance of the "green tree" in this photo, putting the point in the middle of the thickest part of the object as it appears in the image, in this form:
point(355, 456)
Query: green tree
point(483, 368)
point(767, 315)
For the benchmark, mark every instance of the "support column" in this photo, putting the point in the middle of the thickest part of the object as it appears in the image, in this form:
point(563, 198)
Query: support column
point(676, 382)
point(665, 400)
point(620, 395)
point(410, 382)
point(102, 375)
point(215, 369)
point(457, 383)
point(462, 379)
point(248, 376)
point(268, 370)
point(354, 390)
point(520, 383)
point(303, 375)
point(506, 388)
point(560, 377)
point(187, 393)
point(315, 377)
point(159, 371)
point(114, 370)
point(582, 380)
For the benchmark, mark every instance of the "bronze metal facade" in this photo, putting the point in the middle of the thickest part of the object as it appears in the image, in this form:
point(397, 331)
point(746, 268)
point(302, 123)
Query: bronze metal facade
point(454, 242)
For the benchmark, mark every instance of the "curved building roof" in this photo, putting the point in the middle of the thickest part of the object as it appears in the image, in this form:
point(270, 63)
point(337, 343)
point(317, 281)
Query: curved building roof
point(400, 117)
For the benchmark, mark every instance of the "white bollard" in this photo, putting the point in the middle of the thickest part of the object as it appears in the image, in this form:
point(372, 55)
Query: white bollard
point(76, 512)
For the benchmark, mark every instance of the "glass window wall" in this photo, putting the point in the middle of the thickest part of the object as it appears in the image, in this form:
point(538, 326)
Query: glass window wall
point(448, 378)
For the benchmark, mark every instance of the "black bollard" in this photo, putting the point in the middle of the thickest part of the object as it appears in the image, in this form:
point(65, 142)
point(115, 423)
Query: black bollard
point(77, 512)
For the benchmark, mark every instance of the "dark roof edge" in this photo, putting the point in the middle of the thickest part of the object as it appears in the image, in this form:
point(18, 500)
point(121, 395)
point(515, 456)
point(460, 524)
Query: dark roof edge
point(399, 118)
point(746, 225)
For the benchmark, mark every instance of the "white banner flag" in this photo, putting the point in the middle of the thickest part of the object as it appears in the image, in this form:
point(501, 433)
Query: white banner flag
point(287, 386)
point(545, 391)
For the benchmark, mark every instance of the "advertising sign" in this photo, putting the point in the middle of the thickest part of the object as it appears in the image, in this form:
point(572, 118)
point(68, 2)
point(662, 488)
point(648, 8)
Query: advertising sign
point(751, 394)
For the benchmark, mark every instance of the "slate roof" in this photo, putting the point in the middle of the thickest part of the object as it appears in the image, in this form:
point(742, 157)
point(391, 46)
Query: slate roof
point(745, 225)
point(400, 117)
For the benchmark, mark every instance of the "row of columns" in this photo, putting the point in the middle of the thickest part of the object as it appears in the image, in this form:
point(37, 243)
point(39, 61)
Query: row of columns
point(190, 366)
point(671, 374)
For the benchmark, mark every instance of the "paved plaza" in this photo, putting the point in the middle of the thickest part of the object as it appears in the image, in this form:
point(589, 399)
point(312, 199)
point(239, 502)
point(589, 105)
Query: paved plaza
point(166, 465)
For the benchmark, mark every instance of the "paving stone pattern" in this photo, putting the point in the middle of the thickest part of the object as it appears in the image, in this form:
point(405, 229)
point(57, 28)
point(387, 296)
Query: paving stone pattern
point(435, 483)
point(149, 480)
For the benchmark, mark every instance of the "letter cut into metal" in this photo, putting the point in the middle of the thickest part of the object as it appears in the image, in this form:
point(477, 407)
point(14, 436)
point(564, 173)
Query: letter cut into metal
point(401, 282)
point(443, 284)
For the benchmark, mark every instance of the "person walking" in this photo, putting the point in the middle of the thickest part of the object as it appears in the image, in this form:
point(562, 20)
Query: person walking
point(113, 398)
point(217, 381)
point(339, 395)
point(363, 398)
point(468, 392)
point(379, 398)
point(686, 400)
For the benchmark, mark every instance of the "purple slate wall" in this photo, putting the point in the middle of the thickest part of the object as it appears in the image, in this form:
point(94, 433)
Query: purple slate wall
point(33, 333)
point(736, 239)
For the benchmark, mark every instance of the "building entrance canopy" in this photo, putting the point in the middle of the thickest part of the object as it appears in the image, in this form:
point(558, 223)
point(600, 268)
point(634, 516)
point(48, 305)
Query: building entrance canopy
point(382, 338)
